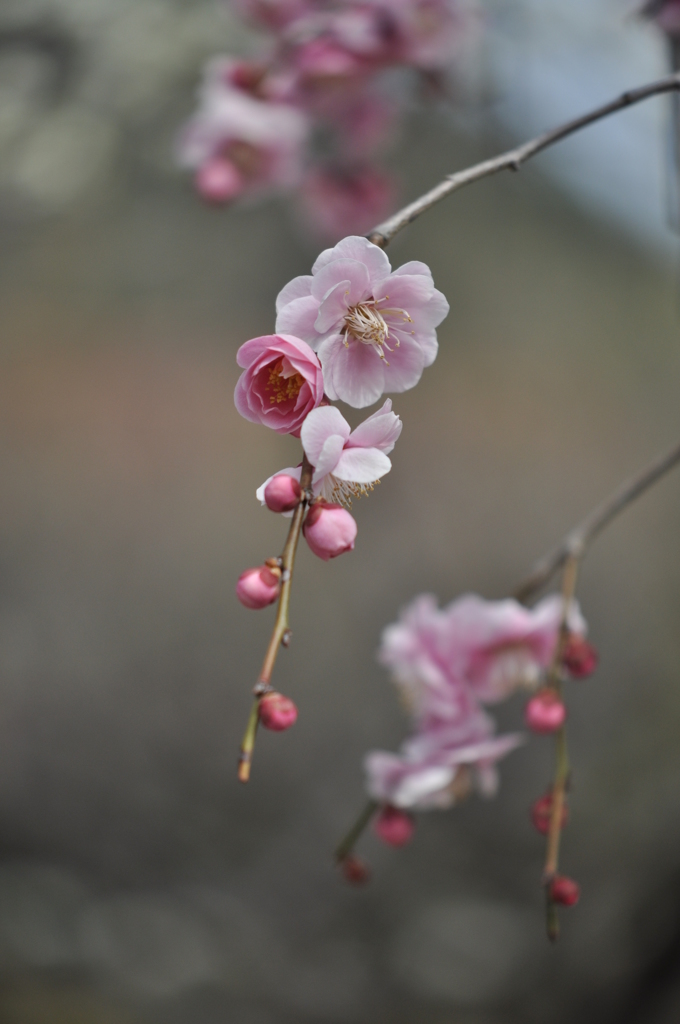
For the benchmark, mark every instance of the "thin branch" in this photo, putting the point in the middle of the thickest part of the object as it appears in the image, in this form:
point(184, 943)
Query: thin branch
point(281, 633)
point(514, 158)
point(346, 845)
point(578, 539)
point(559, 788)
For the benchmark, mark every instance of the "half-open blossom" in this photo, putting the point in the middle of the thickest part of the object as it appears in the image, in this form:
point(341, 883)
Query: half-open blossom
point(437, 767)
point(254, 141)
point(374, 329)
point(347, 463)
point(281, 384)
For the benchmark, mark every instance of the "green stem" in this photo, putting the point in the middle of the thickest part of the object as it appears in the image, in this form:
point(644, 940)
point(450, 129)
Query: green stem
point(345, 847)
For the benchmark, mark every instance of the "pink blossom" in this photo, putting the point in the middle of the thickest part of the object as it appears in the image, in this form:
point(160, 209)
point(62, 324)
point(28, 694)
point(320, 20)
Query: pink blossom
point(491, 646)
point(329, 530)
point(281, 384)
point(437, 767)
point(347, 463)
point(258, 139)
point(426, 33)
point(340, 199)
point(272, 14)
point(353, 310)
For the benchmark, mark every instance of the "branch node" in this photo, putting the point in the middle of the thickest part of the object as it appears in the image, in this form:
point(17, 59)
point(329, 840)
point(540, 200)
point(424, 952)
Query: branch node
point(287, 637)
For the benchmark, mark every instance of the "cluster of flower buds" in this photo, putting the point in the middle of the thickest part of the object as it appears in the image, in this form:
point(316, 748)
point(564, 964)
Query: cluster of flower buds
point(350, 331)
point(313, 112)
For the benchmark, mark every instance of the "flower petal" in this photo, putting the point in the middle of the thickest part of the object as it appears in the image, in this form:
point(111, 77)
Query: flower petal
point(357, 247)
point(406, 365)
point(298, 318)
point(343, 270)
point(362, 465)
point(380, 430)
point(354, 374)
point(333, 309)
point(327, 459)
point(321, 424)
point(298, 288)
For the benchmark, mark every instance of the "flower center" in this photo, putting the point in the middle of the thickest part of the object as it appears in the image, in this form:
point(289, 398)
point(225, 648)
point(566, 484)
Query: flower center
point(342, 492)
point(366, 323)
point(282, 387)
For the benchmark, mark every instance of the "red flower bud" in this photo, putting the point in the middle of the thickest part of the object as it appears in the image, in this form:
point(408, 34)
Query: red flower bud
point(218, 180)
point(276, 711)
point(256, 588)
point(545, 712)
point(580, 658)
point(393, 826)
point(564, 890)
point(282, 493)
point(541, 811)
point(329, 530)
point(355, 870)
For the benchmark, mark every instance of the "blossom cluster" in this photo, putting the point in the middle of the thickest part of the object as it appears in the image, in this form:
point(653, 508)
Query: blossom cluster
point(350, 331)
point(318, 106)
point(450, 662)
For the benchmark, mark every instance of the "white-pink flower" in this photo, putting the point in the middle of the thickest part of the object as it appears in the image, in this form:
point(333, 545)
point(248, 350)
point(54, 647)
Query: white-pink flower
point(347, 463)
point(374, 330)
point(437, 767)
point(490, 647)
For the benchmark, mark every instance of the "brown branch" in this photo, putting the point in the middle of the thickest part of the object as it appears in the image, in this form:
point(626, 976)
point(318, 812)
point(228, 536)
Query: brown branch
point(281, 633)
point(581, 536)
point(514, 158)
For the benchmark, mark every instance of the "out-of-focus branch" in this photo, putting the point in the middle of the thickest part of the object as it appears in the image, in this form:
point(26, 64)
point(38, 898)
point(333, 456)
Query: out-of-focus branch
point(383, 234)
point(578, 539)
point(281, 633)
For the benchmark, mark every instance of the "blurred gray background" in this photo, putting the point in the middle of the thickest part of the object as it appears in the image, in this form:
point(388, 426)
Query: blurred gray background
point(139, 884)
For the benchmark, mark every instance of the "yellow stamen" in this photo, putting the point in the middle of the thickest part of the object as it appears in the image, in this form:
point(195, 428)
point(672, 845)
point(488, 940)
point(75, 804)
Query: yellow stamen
point(281, 388)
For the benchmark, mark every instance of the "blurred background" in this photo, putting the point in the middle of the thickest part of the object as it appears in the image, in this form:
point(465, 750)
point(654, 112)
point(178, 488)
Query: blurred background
point(139, 883)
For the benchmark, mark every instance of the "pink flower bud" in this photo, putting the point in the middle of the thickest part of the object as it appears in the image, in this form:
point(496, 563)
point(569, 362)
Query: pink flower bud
point(355, 870)
point(541, 812)
point(218, 181)
point(276, 711)
point(282, 493)
point(564, 890)
point(394, 827)
point(329, 530)
point(580, 658)
point(256, 588)
point(545, 712)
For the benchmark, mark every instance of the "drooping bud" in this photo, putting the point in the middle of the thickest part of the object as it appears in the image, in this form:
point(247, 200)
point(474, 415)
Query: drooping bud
point(277, 712)
point(329, 530)
point(394, 826)
point(256, 588)
point(282, 493)
point(545, 712)
point(579, 658)
point(355, 870)
point(218, 180)
point(564, 890)
point(541, 813)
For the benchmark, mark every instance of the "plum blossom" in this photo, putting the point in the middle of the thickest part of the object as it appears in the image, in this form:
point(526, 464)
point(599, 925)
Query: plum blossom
point(493, 646)
point(373, 329)
point(281, 384)
point(436, 768)
point(237, 132)
point(347, 463)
